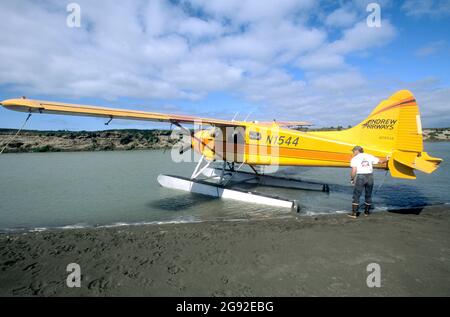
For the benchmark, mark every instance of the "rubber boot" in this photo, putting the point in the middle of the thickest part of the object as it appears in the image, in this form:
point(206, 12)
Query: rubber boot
point(354, 213)
point(366, 209)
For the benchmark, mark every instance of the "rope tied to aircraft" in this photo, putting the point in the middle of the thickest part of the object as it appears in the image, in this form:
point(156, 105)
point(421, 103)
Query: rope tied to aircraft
point(17, 133)
point(382, 182)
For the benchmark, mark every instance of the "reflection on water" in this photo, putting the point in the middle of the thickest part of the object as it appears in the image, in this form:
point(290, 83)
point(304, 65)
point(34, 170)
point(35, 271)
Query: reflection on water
point(181, 201)
point(104, 188)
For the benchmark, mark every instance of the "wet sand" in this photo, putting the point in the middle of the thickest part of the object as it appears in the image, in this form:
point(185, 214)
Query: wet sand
point(305, 256)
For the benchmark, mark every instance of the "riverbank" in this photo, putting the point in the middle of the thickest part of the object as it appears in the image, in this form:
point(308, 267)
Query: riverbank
point(306, 256)
point(29, 141)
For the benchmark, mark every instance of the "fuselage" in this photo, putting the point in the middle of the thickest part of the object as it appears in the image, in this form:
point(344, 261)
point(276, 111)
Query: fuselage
point(274, 145)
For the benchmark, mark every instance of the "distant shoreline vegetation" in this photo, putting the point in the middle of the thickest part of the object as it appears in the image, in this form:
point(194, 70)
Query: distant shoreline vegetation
point(29, 141)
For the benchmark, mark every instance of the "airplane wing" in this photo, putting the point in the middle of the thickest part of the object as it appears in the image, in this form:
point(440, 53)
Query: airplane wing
point(39, 106)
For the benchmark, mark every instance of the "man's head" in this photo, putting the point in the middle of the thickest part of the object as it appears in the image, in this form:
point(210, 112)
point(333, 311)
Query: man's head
point(357, 149)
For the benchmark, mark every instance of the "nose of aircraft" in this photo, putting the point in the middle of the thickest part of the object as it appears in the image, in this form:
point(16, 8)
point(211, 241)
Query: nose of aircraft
point(203, 142)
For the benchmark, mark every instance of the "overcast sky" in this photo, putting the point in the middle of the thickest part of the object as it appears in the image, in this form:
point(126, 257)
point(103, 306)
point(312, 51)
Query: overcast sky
point(265, 59)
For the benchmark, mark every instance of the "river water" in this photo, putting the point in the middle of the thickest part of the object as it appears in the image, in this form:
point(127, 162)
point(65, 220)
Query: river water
point(84, 189)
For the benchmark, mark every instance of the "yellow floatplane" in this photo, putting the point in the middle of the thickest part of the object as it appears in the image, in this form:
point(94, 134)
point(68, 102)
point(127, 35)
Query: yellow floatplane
point(393, 129)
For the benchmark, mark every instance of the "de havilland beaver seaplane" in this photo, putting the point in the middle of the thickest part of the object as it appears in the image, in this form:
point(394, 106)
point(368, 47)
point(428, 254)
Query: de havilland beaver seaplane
point(393, 129)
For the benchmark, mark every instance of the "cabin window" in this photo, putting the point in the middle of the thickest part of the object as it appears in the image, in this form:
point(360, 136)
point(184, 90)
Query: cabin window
point(253, 135)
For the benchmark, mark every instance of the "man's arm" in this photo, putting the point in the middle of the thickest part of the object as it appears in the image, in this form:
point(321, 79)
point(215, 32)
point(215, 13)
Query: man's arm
point(353, 175)
point(383, 161)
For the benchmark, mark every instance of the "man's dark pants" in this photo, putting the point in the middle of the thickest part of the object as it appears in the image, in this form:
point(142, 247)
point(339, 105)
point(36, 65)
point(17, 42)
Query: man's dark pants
point(363, 182)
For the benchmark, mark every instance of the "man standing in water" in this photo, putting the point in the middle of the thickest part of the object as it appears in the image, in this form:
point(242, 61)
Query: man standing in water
point(362, 178)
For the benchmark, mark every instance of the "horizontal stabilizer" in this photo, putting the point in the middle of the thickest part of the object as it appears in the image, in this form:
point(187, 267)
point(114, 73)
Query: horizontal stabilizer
point(400, 170)
point(424, 165)
point(403, 163)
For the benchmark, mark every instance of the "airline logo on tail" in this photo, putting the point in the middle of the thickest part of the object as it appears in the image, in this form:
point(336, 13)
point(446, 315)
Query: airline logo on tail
point(380, 124)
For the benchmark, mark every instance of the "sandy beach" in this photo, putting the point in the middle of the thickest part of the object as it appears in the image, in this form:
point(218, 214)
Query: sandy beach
point(304, 256)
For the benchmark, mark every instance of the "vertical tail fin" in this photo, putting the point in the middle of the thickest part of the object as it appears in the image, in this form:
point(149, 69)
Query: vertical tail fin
point(394, 128)
point(393, 125)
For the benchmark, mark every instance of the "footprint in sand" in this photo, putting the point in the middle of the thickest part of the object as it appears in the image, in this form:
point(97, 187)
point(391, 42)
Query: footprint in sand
point(30, 267)
point(174, 269)
point(99, 285)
